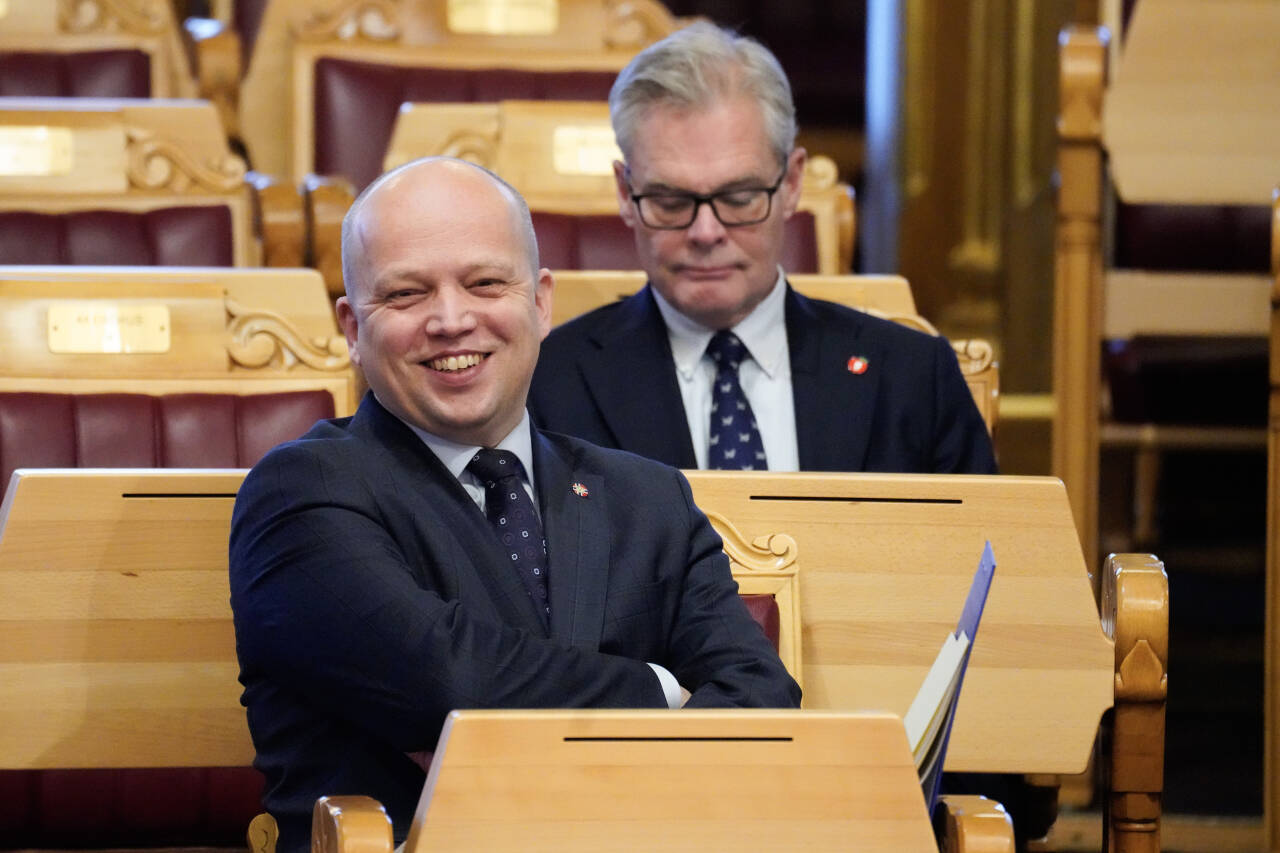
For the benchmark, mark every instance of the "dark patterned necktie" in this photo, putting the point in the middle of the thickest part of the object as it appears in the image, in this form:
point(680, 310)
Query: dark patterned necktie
point(515, 521)
point(735, 438)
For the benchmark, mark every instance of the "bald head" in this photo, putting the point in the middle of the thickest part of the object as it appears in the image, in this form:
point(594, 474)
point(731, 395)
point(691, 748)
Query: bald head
point(428, 183)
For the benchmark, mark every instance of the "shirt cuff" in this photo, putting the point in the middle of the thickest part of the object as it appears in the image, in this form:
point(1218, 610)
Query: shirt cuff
point(670, 687)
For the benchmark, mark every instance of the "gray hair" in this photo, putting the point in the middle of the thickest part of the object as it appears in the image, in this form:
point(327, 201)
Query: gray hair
point(695, 66)
point(524, 218)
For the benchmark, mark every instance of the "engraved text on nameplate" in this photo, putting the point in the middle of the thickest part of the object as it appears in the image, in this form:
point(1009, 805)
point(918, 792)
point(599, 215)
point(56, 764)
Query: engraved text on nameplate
point(504, 17)
point(584, 149)
point(103, 326)
point(35, 150)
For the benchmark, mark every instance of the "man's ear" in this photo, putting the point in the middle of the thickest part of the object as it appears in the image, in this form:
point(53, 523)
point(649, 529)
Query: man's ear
point(793, 182)
point(350, 326)
point(542, 292)
point(626, 209)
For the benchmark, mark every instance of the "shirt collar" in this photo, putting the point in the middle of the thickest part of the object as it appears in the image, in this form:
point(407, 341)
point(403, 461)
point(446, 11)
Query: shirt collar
point(763, 332)
point(455, 456)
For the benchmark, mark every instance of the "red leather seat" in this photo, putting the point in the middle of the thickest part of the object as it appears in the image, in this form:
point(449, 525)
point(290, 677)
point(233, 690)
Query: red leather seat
point(142, 807)
point(171, 236)
point(356, 103)
point(87, 74)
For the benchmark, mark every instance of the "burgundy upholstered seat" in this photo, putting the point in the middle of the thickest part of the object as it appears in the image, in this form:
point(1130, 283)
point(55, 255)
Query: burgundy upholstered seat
point(144, 431)
point(764, 609)
point(142, 807)
point(170, 236)
point(87, 74)
point(356, 103)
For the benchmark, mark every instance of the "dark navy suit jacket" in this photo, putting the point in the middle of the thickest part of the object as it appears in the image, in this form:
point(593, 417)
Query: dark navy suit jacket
point(608, 377)
point(371, 597)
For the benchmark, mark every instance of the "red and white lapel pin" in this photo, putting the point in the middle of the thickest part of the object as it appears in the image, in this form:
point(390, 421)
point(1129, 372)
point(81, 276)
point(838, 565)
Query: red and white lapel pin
point(858, 365)
point(580, 490)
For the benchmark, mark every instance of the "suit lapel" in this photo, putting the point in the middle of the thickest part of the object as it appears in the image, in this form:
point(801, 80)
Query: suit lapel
point(834, 405)
point(468, 552)
point(576, 524)
point(633, 382)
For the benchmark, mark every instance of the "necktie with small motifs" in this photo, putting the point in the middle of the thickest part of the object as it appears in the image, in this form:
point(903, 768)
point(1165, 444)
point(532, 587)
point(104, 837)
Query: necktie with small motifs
point(735, 438)
point(510, 511)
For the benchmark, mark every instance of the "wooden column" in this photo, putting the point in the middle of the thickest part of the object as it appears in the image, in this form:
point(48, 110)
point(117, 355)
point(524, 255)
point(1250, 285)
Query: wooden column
point(1077, 320)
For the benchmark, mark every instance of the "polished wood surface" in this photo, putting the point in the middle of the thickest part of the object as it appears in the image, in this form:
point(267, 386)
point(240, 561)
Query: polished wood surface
point(887, 562)
point(232, 331)
point(529, 142)
point(629, 780)
point(118, 648)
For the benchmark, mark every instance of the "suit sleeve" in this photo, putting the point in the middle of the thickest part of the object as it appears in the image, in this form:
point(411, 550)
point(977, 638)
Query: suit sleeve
point(717, 651)
point(961, 443)
point(326, 606)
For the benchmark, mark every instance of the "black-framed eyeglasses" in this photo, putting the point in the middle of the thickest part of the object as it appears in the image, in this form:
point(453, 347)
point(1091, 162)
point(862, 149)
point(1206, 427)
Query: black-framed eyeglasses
point(672, 211)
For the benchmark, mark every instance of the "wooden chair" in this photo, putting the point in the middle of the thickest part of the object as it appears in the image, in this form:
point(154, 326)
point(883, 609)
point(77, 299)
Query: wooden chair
point(293, 35)
point(171, 330)
point(647, 780)
point(887, 563)
point(127, 48)
point(885, 296)
point(135, 181)
point(559, 155)
point(1187, 125)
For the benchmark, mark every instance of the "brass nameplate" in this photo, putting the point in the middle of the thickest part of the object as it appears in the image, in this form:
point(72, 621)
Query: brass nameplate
point(584, 149)
point(104, 326)
point(504, 17)
point(35, 150)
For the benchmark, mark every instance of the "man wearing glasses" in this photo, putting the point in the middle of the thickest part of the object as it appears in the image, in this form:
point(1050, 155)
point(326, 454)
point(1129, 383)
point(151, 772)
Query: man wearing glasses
point(718, 363)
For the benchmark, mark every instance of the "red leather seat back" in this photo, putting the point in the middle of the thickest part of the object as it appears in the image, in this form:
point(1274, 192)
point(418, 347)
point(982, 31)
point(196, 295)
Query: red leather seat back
point(764, 609)
point(198, 806)
point(1193, 237)
point(144, 431)
point(87, 74)
point(604, 242)
point(171, 236)
point(356, 103)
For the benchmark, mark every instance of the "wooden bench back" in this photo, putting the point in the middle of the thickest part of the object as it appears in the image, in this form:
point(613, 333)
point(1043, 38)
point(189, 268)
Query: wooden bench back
point(131, 663)
point(559, 155)
point(193, 330)
point(42, 26)
point(887, 563)
point(63, 155)
point(888, 296)
point(293, 34)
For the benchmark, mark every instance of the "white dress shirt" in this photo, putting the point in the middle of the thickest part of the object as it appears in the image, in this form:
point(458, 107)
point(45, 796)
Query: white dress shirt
point(765, 377)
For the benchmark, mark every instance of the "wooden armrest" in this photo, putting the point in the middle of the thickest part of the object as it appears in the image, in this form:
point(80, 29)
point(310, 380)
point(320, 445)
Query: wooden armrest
point(282, 221)
point(1135, 613)
point(972, 824)
point(263, 833)
point(214, 50)
point(327, 201)
point(353, 824)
